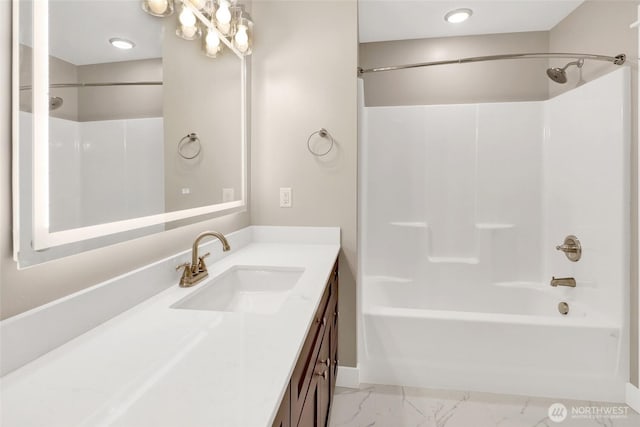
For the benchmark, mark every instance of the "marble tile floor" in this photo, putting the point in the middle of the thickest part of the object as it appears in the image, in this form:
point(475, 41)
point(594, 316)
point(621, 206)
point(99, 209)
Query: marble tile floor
point(394, 406)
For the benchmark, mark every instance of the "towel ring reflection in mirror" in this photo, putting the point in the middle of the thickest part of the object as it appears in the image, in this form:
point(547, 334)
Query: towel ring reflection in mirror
point(189, 147)
point(323, 133)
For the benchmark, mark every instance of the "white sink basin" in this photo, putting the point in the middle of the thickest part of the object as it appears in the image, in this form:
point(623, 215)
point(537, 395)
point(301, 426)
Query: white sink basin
point(247, 289)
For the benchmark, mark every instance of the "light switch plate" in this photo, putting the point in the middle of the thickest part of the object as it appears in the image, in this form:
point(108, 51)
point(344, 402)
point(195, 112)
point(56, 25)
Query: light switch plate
point(285, 197)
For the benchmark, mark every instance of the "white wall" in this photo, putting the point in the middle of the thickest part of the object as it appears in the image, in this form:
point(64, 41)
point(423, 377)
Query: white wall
point(304, 78)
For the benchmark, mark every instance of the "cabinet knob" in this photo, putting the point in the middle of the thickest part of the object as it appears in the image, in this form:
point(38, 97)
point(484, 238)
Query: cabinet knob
point(323, 375)
point(326, 362)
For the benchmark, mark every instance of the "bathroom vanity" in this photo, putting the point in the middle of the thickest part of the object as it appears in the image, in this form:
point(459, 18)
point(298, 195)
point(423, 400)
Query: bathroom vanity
point(310, 391)
point(255, 344)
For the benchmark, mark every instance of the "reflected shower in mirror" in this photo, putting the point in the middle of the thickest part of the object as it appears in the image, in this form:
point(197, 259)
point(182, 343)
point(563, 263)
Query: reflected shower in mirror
point(124, 92)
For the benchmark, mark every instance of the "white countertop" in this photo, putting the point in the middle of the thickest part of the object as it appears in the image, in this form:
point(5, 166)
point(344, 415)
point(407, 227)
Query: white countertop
point(157, 366)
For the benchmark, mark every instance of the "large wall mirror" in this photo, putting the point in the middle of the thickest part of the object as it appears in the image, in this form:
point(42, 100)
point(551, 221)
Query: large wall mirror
point(121, 128)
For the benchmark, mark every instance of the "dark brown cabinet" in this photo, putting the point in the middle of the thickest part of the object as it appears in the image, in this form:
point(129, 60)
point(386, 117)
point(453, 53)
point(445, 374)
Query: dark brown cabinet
point(308, 399)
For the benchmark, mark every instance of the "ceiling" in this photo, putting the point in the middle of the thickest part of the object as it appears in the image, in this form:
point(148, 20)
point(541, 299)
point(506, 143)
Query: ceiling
point(383, 20)
point(79, 31)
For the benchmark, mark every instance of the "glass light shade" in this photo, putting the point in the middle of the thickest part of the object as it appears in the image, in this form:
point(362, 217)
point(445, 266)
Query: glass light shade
point(198, 4)
point(158, 8)
point(187, 18)
point(209, 7)
point(223, 17)
point(188, 32)
point(212, 45)
point(242, 40)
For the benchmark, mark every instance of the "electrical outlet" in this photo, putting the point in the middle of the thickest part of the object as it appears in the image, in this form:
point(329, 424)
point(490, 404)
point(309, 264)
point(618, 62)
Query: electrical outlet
point(285, 197)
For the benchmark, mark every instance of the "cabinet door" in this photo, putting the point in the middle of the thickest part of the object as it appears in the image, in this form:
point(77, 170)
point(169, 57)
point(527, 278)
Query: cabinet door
point(304, 370)
point(324, 369)
point(333, 313)
point(283, 417)
point(315, 410)
point(309, 413)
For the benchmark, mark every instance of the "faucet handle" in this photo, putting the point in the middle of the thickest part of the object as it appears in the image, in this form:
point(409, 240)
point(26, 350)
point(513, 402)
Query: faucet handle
point(183, 265)
point(201, 265)
point(187, 274)
point(571, 248)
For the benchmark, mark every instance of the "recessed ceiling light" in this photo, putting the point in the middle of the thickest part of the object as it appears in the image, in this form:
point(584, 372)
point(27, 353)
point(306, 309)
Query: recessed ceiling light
point(458, 15)
point(121, 43)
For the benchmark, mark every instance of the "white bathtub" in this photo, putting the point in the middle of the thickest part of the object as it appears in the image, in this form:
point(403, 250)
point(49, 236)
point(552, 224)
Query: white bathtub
point(506, 338)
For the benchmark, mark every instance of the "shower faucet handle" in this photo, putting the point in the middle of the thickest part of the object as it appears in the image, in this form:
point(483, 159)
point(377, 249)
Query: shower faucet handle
point(571, 248)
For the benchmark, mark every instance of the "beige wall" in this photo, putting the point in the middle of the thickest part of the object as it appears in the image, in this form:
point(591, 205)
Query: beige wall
point(25, 289)
point(201, 95)
point(304, 78)
point(59, 72)
point(493, 81)
point(120, 102)
point(602, 27)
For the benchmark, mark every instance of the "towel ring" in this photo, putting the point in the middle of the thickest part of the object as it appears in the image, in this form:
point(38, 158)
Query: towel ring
point(324, 134)
point(189, 139)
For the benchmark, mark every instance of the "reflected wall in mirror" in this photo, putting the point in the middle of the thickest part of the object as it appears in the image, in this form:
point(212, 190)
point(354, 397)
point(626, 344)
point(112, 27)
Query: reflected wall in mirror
point(113, 157)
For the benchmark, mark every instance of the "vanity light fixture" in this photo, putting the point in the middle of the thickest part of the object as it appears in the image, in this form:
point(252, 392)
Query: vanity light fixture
point(121, 43)
point(158, 7)
point(225, 23)
point(457, 16)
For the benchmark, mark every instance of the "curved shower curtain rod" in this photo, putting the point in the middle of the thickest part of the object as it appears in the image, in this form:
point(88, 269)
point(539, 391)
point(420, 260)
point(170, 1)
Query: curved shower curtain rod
point(617, 60)
point(75, 85)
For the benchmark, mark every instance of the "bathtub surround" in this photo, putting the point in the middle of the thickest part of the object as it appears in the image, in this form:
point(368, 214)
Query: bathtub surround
point(595, 26)
point(487, 192)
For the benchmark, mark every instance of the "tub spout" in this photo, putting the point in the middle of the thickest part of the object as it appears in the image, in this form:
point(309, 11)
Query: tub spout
point(563, 281)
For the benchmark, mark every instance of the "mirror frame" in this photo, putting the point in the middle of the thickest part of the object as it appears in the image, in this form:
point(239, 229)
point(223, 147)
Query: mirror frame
point(43, 237)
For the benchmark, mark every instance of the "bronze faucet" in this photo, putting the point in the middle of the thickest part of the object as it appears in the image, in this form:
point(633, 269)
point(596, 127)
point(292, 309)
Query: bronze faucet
point(196, 271)
point(563, 281)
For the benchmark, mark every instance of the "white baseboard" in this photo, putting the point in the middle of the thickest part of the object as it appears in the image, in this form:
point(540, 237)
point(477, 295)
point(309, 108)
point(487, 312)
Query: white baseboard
point(632, 397)
point(348, 377)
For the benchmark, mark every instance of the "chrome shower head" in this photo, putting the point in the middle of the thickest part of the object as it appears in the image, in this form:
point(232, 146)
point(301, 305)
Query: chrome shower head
point(55, 102)
point(559, 75)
